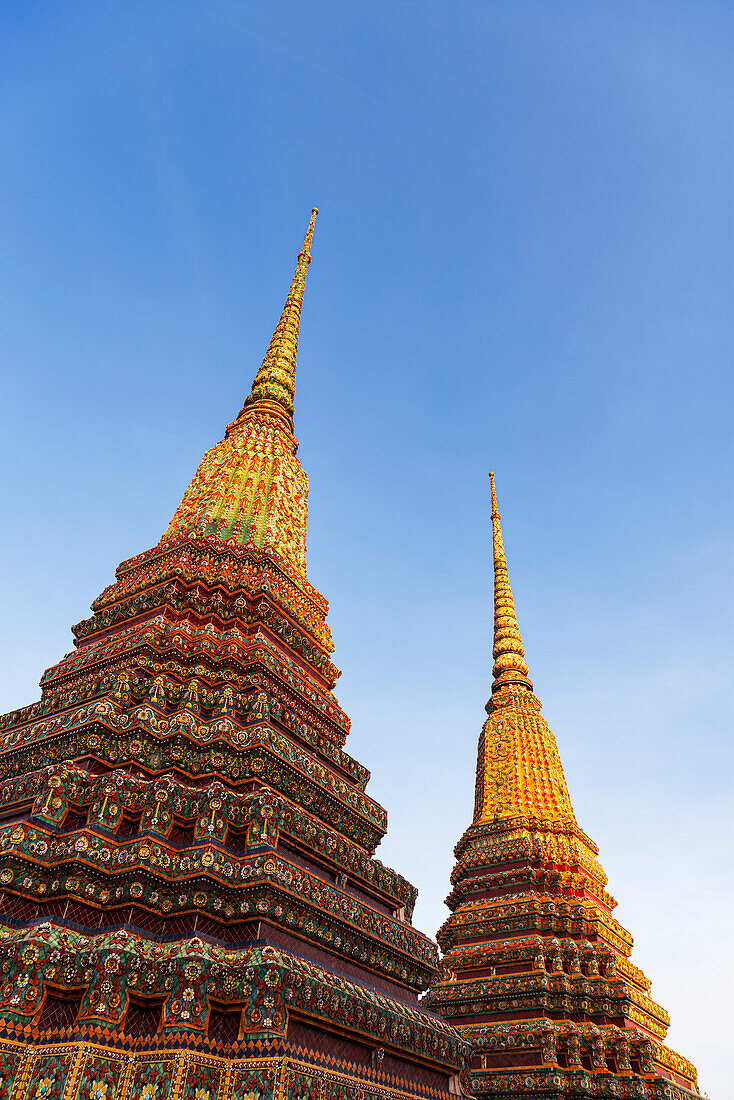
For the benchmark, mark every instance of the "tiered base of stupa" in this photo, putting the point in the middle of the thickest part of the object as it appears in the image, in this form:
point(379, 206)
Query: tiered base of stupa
point(537, 975)
point(190, 907)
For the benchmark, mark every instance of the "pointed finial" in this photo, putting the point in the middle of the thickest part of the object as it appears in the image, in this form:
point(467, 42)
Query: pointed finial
point(509, 656)
point(495, 510)
point(275, 382)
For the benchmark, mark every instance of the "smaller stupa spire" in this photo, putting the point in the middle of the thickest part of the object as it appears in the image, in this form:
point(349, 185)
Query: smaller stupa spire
point(275, 382)
point(510, 667)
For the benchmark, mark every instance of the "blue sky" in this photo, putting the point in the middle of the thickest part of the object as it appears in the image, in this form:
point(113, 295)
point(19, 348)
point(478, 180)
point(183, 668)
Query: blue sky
point(523, 261)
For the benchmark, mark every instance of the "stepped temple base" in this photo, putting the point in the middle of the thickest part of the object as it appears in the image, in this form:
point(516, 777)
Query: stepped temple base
point(87, 1070)
point(120, 1016)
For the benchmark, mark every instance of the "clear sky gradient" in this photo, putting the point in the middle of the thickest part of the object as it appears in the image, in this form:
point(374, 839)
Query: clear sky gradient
point(524, 261)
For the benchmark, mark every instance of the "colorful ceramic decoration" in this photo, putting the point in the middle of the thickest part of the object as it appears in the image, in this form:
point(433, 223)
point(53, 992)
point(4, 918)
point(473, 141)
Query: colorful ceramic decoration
point(190, 907)
point(536, 972)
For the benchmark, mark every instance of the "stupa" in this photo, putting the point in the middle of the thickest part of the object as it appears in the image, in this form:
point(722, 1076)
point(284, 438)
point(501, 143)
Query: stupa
point(190, 907)
point(537, 974)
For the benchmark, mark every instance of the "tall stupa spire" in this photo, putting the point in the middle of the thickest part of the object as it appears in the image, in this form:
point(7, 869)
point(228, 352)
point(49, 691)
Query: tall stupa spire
point(510, 667)
point(250, 488)
point(275, 381)
point(518, 767)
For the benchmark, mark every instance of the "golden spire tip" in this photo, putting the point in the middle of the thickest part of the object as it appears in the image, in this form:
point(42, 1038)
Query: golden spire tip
point(510, 668)
point(495, 510)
